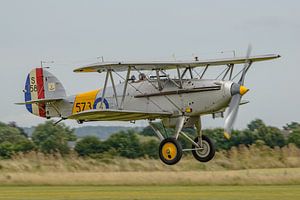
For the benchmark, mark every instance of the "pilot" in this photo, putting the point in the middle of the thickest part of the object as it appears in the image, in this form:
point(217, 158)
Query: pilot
point(132, 78)
point(142, 77)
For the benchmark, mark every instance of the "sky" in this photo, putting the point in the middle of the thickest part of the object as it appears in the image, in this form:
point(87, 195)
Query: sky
point(72, 33)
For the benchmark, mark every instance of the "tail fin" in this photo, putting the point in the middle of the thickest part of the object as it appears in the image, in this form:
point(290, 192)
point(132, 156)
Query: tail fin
point(41, 86)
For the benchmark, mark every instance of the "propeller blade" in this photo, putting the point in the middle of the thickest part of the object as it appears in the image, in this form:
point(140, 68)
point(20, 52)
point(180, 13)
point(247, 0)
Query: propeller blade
point(242, 79)
point(237, 91)
point(231, 115)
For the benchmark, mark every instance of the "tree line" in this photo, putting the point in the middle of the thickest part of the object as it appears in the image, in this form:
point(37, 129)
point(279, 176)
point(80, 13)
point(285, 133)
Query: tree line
point(49, 138)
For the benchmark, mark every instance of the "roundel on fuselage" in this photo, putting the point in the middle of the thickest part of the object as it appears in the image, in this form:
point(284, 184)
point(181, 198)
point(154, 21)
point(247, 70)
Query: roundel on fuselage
point(99, 105)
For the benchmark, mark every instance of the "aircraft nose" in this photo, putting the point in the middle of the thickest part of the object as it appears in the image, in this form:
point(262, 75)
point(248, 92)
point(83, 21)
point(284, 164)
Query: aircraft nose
point(243, 90)
point(238, 89)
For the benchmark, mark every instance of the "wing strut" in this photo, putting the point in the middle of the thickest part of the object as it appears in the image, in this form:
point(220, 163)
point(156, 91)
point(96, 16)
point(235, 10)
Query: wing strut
point(109, 74)
point(114, 88)
point(104, 88)
point(204, 71)
point(179, 77)
point(227, 71)
point(231, 71)
point(125, 87)
point(160, 87)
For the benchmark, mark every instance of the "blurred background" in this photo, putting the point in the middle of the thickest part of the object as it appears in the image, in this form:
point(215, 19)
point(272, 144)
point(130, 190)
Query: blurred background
point(264, 149)
point(73, 33)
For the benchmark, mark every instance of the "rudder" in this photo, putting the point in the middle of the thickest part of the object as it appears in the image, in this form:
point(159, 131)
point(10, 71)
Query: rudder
point(41, 85)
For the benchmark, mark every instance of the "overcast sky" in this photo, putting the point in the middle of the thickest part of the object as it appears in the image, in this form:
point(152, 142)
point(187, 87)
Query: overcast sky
point(77, 32)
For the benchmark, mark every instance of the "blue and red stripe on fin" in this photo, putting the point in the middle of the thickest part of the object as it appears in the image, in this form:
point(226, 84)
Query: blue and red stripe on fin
point(34, 90)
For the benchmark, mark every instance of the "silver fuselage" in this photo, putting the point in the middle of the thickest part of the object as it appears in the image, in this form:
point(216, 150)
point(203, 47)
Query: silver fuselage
point(196, 97)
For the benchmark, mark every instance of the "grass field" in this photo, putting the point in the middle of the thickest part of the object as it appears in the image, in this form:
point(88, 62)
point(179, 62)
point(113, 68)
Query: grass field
point(254, 184)
point(280, 176)
point(282, 192)
point(237, 158)
point(241, 173)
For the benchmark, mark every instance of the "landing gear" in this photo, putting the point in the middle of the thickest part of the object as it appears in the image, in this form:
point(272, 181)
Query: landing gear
point(206, 151)
point(170, 151)
point(203, 149)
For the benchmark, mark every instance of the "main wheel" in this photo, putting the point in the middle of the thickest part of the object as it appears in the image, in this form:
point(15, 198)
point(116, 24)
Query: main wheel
point(170, 151)
point(208, 149)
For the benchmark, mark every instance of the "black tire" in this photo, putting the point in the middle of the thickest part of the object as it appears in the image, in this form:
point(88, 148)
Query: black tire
point(170, 151)
point(208, 151)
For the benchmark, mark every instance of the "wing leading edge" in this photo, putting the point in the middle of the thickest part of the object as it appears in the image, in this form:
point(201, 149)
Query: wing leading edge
point(116, 115)
point(123, 66)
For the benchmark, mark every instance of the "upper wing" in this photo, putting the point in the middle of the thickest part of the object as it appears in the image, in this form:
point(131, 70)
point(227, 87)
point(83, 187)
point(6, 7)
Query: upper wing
point(116, 115)
point(123, 66)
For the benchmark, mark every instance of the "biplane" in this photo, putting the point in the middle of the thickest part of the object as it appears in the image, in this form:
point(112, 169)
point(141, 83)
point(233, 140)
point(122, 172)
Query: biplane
point(177, 101)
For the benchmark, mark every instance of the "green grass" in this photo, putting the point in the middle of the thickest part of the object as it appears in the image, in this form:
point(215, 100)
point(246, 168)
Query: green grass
point(241, 173)
point(254, 157)
point(283, 192)
point(283, 176)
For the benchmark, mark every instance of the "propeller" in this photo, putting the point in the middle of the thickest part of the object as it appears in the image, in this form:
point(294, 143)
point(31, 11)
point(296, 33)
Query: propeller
point(237, 91)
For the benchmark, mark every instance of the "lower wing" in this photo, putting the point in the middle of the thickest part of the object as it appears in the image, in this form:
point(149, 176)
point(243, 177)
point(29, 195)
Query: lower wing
point(116, 115)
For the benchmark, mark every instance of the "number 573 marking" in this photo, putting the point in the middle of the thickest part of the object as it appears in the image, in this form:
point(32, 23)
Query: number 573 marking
point(82, 106)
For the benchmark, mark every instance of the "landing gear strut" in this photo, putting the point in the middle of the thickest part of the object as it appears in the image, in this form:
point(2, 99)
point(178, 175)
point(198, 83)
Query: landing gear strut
point(207, 149)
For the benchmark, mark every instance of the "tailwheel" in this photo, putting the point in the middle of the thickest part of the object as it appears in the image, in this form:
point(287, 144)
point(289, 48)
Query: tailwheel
point(206, 151)
point(170, 151)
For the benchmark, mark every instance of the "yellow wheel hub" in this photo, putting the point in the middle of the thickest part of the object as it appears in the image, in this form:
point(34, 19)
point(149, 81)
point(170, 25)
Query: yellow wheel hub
point(169, 151)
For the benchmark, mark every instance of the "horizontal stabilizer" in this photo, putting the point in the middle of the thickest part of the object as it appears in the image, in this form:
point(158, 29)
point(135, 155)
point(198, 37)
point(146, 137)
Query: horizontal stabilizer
point(38, 101)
